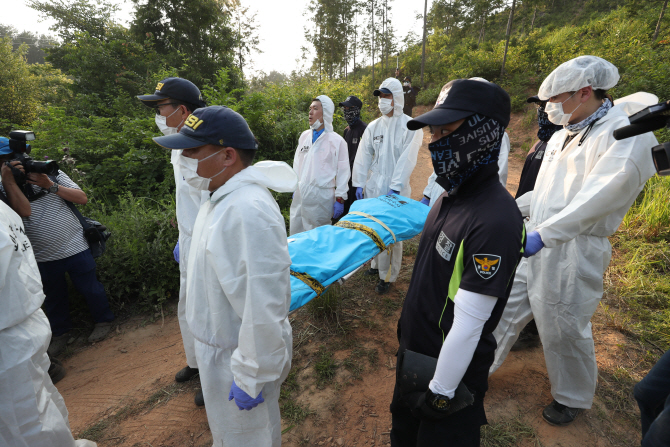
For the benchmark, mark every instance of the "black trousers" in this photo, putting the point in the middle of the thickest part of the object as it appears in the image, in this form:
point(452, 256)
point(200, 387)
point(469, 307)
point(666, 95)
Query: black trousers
point(461, 429)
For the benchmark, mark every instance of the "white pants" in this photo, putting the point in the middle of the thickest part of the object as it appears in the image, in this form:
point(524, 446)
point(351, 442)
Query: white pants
point(560, 288)
point(311, 211)
point(383, 261)
point(186, 336)
point(32, 411)
point(259, 427)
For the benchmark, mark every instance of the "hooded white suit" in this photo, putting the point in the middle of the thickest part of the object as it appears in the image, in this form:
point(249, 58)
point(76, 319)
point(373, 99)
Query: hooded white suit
point(188, 204)
point(581, 196)
point(32, 411)
point(434, 190)
point(238, 297)
point(385, 160)
point(323, 174)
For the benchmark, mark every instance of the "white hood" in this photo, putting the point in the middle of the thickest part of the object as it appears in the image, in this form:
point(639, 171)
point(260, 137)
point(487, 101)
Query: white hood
point(398, 95)
point(274, 175)
point(632, 104)
point(328, 110)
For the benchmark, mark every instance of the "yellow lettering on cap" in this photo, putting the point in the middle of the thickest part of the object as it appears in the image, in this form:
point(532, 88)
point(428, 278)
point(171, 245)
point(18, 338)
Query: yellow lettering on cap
point(160, 86)
point(193, 122)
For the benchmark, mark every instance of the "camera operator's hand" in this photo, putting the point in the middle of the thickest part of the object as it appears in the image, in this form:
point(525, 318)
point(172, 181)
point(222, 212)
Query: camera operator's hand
point(41, 180)
point(6, 171)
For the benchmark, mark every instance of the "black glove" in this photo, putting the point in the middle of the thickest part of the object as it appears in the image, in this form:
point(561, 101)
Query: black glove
point(427, 411)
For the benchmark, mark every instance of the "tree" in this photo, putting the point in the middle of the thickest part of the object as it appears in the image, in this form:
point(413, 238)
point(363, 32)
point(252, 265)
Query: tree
point(195, 36)
point(245, 35)
point(423, 50)
point(18, 87)
point(73, 16)
point(509, 31)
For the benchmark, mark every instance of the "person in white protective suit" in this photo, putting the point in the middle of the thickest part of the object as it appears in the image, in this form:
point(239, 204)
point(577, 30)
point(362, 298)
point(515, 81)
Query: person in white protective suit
point(174, 100)
point(32, 411)
point(384, 163)
point(433, 190)
point(586, 184)
point(238, 281)
point(322, 164)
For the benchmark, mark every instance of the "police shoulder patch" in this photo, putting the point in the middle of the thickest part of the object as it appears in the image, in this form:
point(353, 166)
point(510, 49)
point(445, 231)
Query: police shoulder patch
point(486, 265)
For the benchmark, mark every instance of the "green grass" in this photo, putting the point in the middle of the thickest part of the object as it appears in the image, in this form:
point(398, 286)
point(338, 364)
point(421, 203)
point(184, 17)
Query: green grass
point(294, 412)
point(508, 433)
point(325, 367)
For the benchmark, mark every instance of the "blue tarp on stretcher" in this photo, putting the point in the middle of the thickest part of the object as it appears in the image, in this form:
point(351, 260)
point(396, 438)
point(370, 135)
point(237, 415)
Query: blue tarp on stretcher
point(321, 256)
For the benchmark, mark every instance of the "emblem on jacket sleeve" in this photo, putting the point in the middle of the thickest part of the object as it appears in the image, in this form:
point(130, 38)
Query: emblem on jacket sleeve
point(486, 265)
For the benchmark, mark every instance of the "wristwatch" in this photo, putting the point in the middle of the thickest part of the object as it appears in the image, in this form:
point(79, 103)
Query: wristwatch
point(339, 200)
point(438, 402)
point(53, 188)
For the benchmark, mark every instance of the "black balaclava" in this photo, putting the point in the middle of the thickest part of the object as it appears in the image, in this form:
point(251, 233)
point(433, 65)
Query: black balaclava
point(547, 128)
point(352, 115)
point(459, 155)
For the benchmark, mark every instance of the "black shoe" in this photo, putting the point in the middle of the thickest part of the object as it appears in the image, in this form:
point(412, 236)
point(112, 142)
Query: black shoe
point(382, 287)
point(371, 272)
point(559, 414)
point(526, 340)
point(56, 371)
point(185, 374)
point(199, 399)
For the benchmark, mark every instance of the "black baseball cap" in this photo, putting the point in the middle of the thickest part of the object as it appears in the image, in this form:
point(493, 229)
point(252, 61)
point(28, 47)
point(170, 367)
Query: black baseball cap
point(174, 88)
point(351, 101)
point(379, 91)
point(535, 99)
point(217, 125)
point(462, 98)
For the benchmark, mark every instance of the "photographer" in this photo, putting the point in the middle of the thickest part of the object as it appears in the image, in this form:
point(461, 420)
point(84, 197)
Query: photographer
point(11, 194)
point(59, 246)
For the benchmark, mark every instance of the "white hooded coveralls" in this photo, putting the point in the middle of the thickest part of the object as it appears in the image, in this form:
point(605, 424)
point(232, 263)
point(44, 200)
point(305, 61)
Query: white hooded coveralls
point(32, 411)
point(323, 174)
point(385, 160)
point(238, 297)
point(581, 196)
point(434, 190)
point(188, 204)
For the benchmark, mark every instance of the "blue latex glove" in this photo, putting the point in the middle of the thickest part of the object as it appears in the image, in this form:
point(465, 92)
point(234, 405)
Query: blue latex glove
point(242, 399)
point(338, 209)
point(392, 191)
point(175, 252)
point(359, 193)
point(533, 244)
point(425, 200)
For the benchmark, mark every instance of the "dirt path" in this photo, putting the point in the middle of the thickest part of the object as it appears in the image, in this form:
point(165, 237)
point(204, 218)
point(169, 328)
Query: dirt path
point(121, 392)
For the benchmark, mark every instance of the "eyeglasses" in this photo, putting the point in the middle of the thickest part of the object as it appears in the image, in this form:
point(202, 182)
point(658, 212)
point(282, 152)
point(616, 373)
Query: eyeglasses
point(158, 107)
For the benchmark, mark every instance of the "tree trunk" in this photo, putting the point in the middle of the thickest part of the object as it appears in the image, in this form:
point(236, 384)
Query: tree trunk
point(658, 25)
point(532, 23)
point(509, 31)
point(423, 51)
point(372, 4)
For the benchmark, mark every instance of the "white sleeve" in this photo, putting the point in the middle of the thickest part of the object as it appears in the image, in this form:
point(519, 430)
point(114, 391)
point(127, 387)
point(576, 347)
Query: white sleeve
point(429, 187)
point(407, 160)
point(503, 159)
point(343, 170)
point(523, 203)
point(363, 159)
point(471, 311)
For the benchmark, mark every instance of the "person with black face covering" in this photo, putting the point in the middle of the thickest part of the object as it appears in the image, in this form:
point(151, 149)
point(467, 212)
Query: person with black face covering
point(472, 242)
point(529, 337)
point(410, 95)
point(351, 108)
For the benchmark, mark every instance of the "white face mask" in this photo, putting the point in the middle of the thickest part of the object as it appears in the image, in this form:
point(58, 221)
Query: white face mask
point(188, 167)
point(556, 114)
point(385, 105)
point(161, 122)
point(316, 125)
point(405, 84)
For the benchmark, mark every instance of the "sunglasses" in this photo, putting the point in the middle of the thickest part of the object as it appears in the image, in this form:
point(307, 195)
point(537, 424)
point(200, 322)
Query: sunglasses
point(158, 107)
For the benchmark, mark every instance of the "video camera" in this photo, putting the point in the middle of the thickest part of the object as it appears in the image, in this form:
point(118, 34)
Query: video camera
point(647, 120)
point(21, 149)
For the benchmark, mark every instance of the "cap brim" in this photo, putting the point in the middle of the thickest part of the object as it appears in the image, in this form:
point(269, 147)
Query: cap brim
point(178, 141)
point(151, 100)
point(534, 99)
point(347, 104)
point(438, 117)
point(379, 91)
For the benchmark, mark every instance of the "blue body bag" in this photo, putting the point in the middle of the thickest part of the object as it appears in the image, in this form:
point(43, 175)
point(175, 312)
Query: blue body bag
point(321, 256)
